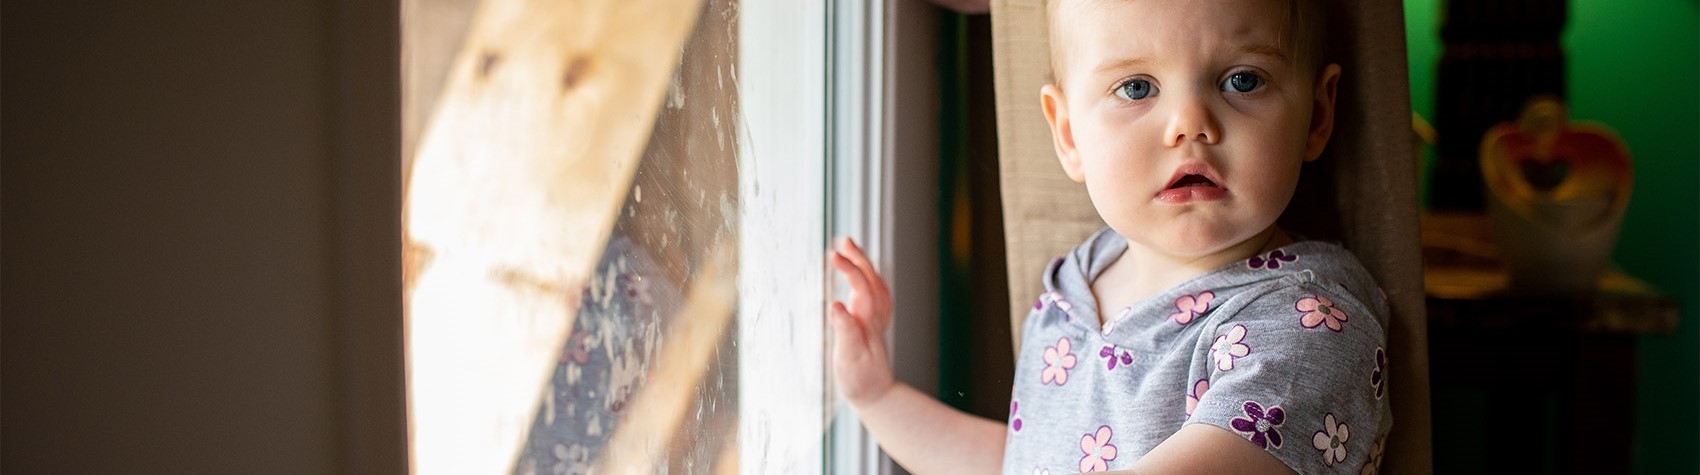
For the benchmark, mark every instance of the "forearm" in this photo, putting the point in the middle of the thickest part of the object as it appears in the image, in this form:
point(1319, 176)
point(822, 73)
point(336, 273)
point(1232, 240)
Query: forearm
point(929, 438)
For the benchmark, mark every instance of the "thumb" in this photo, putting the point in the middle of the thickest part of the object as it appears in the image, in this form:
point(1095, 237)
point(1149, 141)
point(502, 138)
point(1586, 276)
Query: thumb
point(850, 341)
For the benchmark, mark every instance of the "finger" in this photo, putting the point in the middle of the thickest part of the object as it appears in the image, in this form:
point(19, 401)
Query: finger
point(857, 279)
point(878, 295)
point(881, 294)
point(854, 340)
point(847, 246)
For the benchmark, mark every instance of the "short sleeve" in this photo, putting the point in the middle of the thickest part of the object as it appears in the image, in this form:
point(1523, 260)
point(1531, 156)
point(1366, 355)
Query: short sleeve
point(1299, 372)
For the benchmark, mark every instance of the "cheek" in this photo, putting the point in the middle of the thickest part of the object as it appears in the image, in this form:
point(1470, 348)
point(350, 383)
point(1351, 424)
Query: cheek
point(1114, 137)
point(1274, 191)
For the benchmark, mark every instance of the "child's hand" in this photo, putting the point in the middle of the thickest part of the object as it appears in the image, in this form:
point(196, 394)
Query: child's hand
point(859, 362)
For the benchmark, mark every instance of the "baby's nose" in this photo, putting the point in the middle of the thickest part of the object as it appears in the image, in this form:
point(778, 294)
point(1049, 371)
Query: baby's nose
point(1192, 120)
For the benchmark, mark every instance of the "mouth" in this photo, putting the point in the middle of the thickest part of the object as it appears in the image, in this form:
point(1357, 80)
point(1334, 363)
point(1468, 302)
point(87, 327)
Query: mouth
point(1194, 174)
point(1193, 182)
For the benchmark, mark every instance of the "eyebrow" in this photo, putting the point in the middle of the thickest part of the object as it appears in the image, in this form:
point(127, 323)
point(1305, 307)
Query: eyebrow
point(1248, 48)
point(1122, 63)
point(1262, 49)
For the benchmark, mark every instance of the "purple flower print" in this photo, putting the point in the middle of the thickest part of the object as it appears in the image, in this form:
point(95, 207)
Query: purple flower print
point(1198, 389)
point(1319, 310)
point(1272, 261)
point(1058, 361)
point(1377, 378)
point(1373, 466)
point(1098, 449)
point(1190, 306)
point(1109, 353)
point(1331, 440)
point(1262, 427)
point(1228, 346)
point(1014, 415)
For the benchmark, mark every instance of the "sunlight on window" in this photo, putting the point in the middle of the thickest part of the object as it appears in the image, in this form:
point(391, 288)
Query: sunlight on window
point(571, 230)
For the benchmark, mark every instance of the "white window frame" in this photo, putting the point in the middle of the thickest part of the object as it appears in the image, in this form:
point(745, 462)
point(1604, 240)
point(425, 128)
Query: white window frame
point(875, 82)
point(781, 169)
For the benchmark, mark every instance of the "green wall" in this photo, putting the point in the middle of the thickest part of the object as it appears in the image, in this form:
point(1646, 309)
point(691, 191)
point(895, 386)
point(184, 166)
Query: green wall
point(1634, 67)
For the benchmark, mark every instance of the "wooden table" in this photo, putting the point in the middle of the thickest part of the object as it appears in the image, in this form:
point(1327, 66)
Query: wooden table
point(1556, 373)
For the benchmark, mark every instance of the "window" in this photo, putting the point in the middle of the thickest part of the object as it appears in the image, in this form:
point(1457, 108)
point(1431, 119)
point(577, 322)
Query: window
point(569, 308)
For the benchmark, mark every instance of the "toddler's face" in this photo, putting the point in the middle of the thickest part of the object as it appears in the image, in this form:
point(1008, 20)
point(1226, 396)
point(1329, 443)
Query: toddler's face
point(1187, 120)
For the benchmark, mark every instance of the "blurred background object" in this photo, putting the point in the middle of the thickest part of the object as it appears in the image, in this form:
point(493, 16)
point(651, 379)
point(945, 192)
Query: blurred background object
point(1605, 376)
point(1556, 194)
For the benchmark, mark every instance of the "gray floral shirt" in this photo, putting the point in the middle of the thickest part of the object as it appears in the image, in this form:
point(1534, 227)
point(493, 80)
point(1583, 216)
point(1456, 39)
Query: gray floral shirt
point(1285, 349)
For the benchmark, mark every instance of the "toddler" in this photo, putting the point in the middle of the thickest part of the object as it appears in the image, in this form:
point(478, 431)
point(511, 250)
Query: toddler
point(1192, 334)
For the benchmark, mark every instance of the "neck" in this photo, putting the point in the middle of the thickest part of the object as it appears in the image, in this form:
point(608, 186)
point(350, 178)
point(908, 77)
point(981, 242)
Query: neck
point(1150, 272)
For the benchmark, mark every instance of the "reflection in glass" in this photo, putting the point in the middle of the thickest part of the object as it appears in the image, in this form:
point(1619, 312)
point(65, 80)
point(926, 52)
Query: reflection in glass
point(678, 226)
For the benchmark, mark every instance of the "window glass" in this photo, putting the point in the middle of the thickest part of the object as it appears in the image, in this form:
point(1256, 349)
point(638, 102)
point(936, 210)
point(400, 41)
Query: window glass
point(678, 226)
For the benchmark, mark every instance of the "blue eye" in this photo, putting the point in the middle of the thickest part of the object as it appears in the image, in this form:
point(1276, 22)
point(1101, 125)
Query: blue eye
point(1242, 82)
point(1135, 89)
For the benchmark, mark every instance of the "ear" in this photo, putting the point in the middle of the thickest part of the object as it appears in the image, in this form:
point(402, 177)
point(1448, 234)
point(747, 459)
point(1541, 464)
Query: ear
point(1062, 132)
point(1322, 111)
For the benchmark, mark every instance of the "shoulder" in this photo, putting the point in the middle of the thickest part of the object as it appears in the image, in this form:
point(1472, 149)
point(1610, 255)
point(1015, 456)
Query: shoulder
point(1300, 355)
point(1322, 282)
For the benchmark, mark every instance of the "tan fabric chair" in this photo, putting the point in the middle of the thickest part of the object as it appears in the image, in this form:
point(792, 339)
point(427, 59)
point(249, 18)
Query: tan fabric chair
point(1367, 179)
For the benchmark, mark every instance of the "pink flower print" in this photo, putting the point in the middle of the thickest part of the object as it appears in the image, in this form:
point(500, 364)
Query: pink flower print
point(1198, 389)
point(1098, 449)
point(578, 348)
point(1272, 261)
point(1377, 378)
point(1319, 310)
point(1331, 440)
point(1262, 427)
point(1109, 353)
point(1014, 415)
point(1188, 306)
point(1373, 466)
point(1228, 346)
point(1057, 299)
point(1058, 361)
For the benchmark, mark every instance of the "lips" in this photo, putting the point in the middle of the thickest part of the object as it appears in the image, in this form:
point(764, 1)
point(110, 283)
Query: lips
point(1193, 182)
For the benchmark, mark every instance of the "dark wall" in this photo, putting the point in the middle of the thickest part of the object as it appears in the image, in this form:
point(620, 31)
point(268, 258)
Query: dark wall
point(178, 237)
point(976, 360)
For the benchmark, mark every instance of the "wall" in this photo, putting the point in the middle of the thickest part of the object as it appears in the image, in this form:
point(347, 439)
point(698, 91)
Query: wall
point(188, 237)
point(1631, 66)
point(1622, 54)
